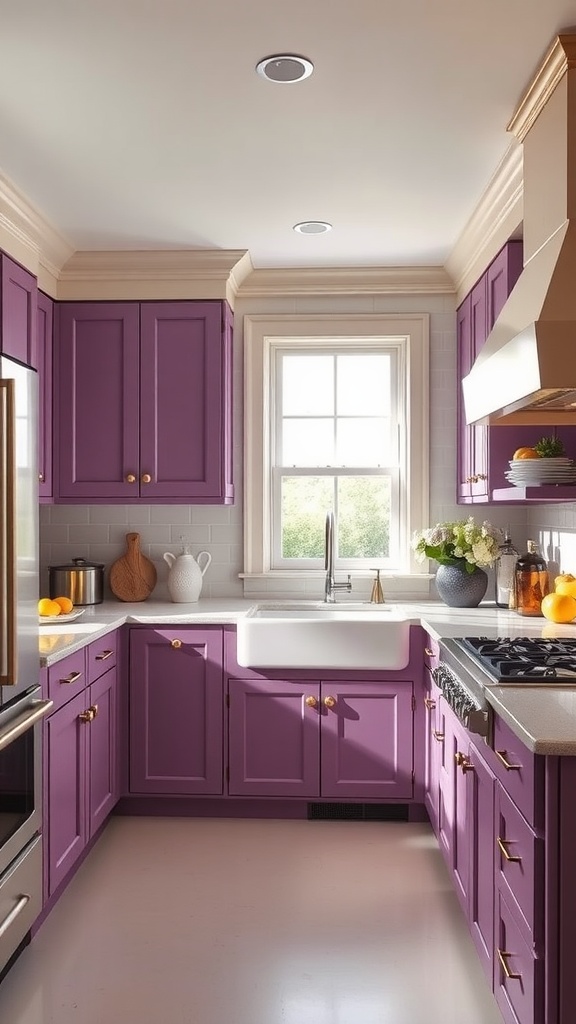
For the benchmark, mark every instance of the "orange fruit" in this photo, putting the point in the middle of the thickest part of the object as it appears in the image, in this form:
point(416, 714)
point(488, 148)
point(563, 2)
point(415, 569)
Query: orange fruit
point(46, 606)
point(564, 577)
point(525, 453)
point(559, 607)
point(65, 604)
point(567, 588)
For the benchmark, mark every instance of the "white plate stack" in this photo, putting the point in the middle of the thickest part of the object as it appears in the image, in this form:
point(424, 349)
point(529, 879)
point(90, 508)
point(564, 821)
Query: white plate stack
point(539, 472)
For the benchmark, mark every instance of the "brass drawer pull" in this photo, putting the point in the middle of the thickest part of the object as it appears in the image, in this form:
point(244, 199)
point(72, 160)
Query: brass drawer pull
point(72, 678)
point(429, 652)
point(507, 856)
point(104, 655)
point(176, 644)
point(429, 703)
point(502, 954)
point(463, 762)
point(438, 735)
point(86, 716)
point(94, 709)
point(501, 755)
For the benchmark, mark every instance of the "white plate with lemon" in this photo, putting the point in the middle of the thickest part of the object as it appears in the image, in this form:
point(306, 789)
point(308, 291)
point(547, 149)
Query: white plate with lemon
point(58, 609)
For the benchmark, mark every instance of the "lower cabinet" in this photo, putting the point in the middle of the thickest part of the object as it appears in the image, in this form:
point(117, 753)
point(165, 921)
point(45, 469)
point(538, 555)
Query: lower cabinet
point(176, 711)
point(323, 738)
point(80, 752)
point(495, 855)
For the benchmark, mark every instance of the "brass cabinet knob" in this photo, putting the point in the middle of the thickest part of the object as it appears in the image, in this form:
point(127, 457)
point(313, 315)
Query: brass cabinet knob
point(94, 709)
point(329, 702)
point(429, 652)
point(86, 716)
point(146, 478)
point(41, 477)
point(176, 644)
point(310, 702)
point(130, 478)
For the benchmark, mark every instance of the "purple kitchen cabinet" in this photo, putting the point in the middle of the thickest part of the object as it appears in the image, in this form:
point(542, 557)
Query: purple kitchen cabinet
point(45, 317)
point(330, 739)
point(19, 292)
point(273, 737)
point(145, 402)
point(102, 751)
point(480, 816)
point(518, 973)
point(66, 740)
point(176, 711)
point(366, 741)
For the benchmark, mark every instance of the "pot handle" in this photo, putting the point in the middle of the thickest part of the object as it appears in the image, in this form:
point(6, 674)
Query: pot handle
point(169, 558)
point(207, 561)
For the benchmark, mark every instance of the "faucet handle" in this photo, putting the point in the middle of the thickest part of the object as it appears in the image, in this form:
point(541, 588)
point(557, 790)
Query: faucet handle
point(377, 595)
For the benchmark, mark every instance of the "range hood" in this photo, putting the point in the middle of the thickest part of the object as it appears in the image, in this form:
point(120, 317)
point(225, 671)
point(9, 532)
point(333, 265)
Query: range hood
point(526, 371)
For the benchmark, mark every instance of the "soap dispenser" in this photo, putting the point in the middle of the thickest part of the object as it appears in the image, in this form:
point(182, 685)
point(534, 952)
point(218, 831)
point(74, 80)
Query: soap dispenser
point(186, 574)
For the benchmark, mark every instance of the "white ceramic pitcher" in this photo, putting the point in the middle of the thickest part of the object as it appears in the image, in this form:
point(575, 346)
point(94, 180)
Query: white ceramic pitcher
point(186, 574)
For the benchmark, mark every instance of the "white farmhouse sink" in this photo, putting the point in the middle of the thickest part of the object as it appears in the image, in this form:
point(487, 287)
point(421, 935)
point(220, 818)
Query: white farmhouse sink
point(329, 636)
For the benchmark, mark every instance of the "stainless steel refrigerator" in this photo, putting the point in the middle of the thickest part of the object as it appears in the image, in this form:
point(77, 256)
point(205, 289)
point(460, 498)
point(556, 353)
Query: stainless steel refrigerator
point(21, 704)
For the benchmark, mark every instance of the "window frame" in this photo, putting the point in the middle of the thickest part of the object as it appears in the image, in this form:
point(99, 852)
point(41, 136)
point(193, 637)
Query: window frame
point(261, 333)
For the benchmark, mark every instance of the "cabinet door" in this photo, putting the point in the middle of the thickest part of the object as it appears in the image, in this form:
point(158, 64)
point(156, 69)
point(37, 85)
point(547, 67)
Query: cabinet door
point(518, 974)
point(274, 735)
point(480, 807)
point(464, 437)
point(185, 401)
point(66, 741)
point(366, 740)
point(433, 745)
point(97, 389)
point(102, 760)
point(176, 711)
point(453, 834)
point(501, 276)
point(19, 291)
point(45, 312)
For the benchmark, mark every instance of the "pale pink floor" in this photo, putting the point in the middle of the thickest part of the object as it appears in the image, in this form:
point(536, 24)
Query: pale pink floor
point(203, 921)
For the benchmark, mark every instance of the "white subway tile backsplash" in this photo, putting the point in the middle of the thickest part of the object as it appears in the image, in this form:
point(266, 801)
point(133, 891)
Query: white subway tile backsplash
point(69, 514)
point(108, 514)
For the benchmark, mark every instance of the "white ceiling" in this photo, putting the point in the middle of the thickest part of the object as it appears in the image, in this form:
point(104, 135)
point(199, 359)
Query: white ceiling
point(142, 124)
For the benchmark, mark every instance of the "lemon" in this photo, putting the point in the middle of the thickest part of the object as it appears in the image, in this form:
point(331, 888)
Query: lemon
point(559, 607)
point(46, 606)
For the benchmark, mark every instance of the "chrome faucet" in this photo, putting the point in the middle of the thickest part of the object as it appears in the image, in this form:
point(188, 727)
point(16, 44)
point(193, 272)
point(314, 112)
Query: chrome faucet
point(330, 585)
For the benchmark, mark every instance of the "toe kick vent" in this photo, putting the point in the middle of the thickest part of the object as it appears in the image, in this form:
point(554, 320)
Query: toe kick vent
point(358, 812)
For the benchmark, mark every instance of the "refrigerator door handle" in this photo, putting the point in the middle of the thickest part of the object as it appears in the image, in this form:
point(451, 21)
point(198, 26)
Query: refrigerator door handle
point(7, 533)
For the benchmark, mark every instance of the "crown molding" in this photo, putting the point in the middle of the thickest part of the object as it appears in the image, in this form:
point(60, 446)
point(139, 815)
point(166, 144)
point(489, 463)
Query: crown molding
point(559, 58)
point(496, 218)
point(161, 274)
point(27, 236)
point(274, 281)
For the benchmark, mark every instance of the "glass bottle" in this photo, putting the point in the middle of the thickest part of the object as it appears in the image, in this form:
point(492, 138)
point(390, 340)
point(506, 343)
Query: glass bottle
point(531, 581)
point(504, 573)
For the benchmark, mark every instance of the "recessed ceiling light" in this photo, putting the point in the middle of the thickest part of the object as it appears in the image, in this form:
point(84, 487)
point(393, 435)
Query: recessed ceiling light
point(285, 68)
point(312, 227)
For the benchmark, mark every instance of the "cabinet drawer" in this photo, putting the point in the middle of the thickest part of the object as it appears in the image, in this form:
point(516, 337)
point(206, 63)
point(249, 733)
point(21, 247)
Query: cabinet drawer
point(67, 678)
point(519, 863)
point(519, 985)
point(101, 655)
point(520, 772)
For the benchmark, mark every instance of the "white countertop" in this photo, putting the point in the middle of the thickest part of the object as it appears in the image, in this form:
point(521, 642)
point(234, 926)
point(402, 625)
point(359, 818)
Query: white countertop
point(543, 719)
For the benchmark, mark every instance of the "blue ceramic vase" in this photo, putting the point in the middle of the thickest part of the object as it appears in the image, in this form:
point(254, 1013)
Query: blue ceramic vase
point(459, 588)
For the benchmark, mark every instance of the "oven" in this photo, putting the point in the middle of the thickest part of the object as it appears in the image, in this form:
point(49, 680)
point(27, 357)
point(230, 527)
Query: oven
point(20, 818)
point(468, 666)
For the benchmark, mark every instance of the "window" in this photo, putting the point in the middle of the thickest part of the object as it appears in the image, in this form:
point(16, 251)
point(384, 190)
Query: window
point(335, 418)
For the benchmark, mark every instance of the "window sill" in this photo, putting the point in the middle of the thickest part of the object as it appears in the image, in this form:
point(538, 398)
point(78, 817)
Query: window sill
point(279, 583)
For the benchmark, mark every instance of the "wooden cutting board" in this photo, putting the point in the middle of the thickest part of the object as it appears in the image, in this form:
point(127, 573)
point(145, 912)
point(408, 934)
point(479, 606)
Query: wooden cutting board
point(133, 576)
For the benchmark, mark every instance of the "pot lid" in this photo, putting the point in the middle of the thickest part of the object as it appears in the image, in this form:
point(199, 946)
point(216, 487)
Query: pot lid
point(79, 563)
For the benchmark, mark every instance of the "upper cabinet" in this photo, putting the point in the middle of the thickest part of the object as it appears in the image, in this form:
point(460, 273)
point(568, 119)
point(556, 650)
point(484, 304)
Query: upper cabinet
point(143, 398)
point(45, 316)
point(483, 452)
point(19, 295)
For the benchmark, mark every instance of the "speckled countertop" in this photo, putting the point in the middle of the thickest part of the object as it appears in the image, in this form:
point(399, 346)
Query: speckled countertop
point(543, 719)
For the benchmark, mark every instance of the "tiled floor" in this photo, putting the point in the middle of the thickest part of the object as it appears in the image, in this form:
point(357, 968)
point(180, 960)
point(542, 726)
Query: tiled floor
point(188, 921)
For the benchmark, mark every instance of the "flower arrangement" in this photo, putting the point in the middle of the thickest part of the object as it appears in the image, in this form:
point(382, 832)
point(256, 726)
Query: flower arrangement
point(463, 543)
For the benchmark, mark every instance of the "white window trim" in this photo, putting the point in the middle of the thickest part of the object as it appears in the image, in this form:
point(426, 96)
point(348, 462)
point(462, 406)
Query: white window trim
point(260, 331)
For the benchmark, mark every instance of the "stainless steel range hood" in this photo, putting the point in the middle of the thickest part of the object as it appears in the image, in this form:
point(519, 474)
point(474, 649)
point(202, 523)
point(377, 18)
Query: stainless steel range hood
point(526, 371)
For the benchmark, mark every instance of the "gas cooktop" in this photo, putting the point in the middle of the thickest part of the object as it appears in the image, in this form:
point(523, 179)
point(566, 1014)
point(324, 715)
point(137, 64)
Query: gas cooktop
point(524, 660)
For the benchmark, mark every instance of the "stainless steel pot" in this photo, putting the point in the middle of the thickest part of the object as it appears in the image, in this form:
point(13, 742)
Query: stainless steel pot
point(82, 581)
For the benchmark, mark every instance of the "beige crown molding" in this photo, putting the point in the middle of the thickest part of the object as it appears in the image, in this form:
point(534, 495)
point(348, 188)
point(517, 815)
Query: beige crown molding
point(496, 218)
point(160, 274)
point(274, 281)
point(559, 58)
point(29, 238)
